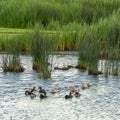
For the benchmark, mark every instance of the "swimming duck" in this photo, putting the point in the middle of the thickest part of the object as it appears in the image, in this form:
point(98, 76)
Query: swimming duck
point(33, 89)
point(42, 96)
point(68, 96)
point(84, 86)
point(30, 91)
point(77, 93)
point(89, 84)
point(73, 89)
point(42, 90)
point(32, 95)
point(53, 91)
point(27, 92)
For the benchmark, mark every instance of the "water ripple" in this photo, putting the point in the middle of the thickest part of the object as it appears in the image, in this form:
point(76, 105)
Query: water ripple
point(100, 102)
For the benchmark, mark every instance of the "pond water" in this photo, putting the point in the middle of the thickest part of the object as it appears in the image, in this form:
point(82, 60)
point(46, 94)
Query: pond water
point(100, 102)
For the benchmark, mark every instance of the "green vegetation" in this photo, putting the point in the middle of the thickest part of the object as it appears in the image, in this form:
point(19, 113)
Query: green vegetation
point(90, 26)
point(12, 61)
point(26, 13)
point(42, 46)
point(100, 40)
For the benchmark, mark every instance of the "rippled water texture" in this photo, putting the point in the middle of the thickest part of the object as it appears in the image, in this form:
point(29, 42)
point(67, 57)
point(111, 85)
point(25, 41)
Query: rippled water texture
point(100, 102)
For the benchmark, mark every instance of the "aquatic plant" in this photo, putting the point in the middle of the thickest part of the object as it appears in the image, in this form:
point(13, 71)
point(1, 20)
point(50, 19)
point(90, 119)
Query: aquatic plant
point(42, 46)
point(89, 52)
point(12, 63)
point(12, 60)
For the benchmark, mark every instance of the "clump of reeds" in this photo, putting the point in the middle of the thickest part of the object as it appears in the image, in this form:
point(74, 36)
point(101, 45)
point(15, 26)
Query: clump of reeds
point(42, 46)
point(12, 61)
point(110, 43)
point(89, 52)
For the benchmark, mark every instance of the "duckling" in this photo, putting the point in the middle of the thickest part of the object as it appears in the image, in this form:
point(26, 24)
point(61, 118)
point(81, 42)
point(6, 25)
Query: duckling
point(53, 91)
point(32, 95)
point(68, 96)
point(73, 89)
point(33, 89)
point(89, 84)
point(27, 92)
point(84, 86)
point(42, 90)
point(77, 93)
point(42, 96)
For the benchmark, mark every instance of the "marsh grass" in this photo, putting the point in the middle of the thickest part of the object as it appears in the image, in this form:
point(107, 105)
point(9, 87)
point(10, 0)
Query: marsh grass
point(89, 50)
point(42, 46)
point(12, 60)
point(12, 63)
point(26, 13)
point(100, 41)
point(93, 27)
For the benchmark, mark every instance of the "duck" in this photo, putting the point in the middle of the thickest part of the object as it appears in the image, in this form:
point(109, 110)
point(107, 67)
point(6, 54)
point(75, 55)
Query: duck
point(42, 96)
point(89, 84)
point(77, 93)
point(27, 92)
point(69, 95)
point(33, 89)
point(42, 90)
point(84, 86)
point(32, 95)
point(73, 89)
point(53, 91)
point(30, 91)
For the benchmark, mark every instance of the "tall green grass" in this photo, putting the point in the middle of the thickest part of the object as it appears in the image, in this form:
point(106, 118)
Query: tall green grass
point(7, 41)
point(100, 40)
point(41, 47)
point(26, 13)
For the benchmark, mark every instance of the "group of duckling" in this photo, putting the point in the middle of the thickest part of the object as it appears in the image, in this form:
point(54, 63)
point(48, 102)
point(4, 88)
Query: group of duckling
point(76, 91)
point(43, 94)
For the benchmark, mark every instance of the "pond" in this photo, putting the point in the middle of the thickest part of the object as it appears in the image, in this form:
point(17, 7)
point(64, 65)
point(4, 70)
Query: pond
point(99, 102)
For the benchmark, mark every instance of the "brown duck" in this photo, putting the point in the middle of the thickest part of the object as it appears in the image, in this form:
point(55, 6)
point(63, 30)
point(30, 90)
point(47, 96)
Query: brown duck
point(42, 96)
point(68, 96)
point(42, 91)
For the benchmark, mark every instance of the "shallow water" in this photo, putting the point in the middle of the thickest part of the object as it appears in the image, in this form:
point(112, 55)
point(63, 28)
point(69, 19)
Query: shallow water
point(100, 102)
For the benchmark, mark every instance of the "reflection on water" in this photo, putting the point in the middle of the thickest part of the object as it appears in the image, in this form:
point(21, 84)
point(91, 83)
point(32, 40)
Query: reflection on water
point(109, 67)
point(100, 102)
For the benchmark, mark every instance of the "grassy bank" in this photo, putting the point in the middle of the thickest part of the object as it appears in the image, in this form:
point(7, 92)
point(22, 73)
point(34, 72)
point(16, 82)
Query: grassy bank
point(69, 36)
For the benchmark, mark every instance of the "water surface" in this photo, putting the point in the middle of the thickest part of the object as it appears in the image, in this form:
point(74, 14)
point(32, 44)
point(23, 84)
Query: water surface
point(100, 102)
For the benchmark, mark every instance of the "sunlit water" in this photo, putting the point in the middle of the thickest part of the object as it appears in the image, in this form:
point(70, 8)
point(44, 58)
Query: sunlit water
point(100, 102)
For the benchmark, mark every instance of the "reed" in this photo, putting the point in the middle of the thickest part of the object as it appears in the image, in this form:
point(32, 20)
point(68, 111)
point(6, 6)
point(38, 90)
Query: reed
point(26, 13)
point(109, 36)
point(41, 47)
point(12, 60)
point(89, 52)
point(12, 63)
